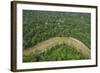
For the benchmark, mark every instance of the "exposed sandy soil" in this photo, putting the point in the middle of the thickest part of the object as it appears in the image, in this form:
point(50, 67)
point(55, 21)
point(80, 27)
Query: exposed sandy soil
point(42, 46)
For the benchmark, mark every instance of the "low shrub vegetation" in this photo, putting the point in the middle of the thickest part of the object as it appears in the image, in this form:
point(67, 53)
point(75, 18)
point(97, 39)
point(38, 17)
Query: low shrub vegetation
point(55, 53)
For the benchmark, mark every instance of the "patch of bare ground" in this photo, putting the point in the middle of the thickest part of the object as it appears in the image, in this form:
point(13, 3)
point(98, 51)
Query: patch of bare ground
point(42, 46)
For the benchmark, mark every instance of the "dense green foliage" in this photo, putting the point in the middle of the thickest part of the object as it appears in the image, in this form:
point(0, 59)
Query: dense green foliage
point(41, 25)
point(58, 52)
